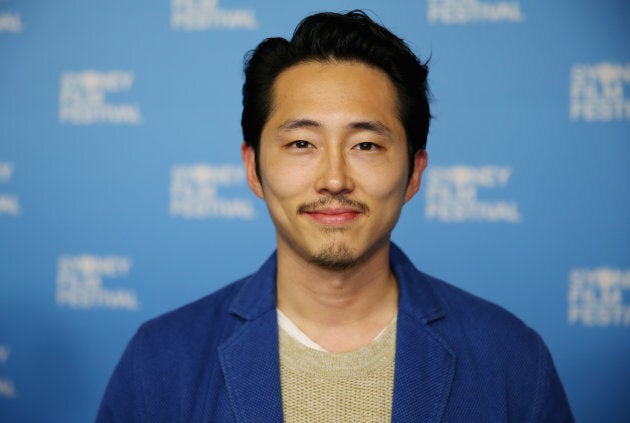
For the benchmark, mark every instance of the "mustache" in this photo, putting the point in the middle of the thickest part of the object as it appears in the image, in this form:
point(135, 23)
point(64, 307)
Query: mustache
point(340, 200)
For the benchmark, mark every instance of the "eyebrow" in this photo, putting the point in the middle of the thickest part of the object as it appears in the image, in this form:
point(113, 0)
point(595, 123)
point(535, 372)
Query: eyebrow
point(299, 123)
point(372, 125)
point(368, 125)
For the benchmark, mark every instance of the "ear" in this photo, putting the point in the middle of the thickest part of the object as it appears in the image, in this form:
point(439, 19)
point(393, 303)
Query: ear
point(419, 164)
point(248, 155)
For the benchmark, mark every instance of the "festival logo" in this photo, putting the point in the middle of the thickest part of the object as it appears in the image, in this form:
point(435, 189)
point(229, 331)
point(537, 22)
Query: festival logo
point(452, 194)
point(598, 92)
point(82, 98)
point(80, 282)
point(10, 22)
point(596, 297)
point(7, 387)
point(9, 204)
point(195, 192)
point(459, 12)
point(201, 15)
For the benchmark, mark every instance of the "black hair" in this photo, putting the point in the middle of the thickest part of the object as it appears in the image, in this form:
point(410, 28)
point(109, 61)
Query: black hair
point(329, 37)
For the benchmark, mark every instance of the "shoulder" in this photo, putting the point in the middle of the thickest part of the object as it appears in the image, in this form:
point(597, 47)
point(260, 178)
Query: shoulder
point(487, 339)
point(499, 353)
point(472, 326)
point(470, 308)
point(448, 309)
point(493, 350)
point(479, 322)
point(178, 347)
point(203, 319)
point(445, 307)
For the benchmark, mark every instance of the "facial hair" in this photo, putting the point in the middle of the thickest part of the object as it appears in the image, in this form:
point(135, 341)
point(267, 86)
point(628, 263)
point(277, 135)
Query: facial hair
point(335, 256)
point(341, 200)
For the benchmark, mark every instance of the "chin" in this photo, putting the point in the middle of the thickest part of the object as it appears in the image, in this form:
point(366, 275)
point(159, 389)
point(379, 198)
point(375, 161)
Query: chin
point(335, 256)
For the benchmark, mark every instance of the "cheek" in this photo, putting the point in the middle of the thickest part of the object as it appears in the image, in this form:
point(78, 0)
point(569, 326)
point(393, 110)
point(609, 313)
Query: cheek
point(284, 182)
point(384, 183)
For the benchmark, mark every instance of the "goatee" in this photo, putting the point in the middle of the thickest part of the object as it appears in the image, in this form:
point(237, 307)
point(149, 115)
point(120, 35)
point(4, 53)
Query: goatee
point(335, 256)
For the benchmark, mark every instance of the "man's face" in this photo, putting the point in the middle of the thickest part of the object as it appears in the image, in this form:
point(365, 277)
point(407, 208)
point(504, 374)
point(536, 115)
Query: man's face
point(333, 163)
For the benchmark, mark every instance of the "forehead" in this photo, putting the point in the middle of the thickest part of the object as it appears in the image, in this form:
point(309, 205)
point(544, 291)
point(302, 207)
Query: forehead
point(334, 86)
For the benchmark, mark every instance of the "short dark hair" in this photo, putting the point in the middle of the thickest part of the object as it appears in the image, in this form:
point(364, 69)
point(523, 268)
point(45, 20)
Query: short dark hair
point(326, 37)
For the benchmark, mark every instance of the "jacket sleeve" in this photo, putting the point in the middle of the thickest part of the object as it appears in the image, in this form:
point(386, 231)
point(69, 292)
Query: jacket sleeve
point(550, 402)
point(123, 400)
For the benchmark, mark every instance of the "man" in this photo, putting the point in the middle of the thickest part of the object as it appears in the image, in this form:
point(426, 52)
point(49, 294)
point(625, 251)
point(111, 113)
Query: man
point(337, 325)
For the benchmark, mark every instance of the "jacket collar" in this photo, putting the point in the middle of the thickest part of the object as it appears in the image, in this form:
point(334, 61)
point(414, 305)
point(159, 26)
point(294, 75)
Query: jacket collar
point(425, 364)
point(258, 294)
point(249, 358)
point(417, 297)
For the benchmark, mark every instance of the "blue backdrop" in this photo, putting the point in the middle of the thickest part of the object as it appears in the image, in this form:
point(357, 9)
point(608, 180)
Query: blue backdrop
point(122, 194)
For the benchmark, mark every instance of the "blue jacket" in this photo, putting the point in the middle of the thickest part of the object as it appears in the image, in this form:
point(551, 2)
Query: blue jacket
point(458, 359)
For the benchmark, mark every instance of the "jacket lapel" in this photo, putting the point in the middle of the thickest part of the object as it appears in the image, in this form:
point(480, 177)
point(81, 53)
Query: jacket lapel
point(251, 370)
point(425, 364)
point(249, 359)
point(423, 373)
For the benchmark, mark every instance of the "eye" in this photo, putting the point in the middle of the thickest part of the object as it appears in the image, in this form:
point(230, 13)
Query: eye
point(367, 146)
point(300, 144)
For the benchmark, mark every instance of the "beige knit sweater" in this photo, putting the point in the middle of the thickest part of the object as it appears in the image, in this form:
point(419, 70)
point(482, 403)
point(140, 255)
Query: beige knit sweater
point(354, 386)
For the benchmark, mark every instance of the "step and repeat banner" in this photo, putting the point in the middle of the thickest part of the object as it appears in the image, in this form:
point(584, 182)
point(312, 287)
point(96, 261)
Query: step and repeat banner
point(122, 195)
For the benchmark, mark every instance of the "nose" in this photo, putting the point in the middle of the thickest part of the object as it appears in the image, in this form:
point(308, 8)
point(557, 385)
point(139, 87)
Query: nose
point(334, 174)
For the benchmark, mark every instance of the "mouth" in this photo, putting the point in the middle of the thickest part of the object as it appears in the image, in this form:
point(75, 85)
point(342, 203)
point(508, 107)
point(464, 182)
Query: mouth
point(337, 211)
point(333, 216)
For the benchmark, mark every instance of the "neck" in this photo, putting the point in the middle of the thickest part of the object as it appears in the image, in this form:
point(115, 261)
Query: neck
point(341, 310)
